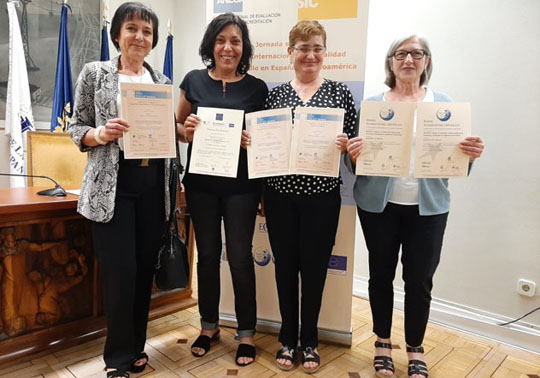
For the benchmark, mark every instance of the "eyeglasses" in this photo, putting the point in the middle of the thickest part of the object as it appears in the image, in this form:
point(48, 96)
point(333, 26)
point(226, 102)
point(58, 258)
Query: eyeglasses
point(307, 49)
point(415, 54)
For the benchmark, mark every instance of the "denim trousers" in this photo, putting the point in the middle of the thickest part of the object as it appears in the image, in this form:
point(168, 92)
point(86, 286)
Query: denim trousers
point(238, 212)
point(420, 238)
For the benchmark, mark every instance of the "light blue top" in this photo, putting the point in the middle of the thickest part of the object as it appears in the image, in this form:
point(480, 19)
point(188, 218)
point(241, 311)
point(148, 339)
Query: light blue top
point(371, 193)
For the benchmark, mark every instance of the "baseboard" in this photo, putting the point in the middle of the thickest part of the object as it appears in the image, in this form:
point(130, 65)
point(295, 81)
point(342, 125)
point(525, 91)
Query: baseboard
point(480, 323)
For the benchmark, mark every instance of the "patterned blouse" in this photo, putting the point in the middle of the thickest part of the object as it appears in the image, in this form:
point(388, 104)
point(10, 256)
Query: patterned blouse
point(331, 94)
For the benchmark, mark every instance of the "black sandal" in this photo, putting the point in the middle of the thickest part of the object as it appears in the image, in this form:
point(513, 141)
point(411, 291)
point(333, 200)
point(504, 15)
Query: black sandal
point(416, 366)
point(245, 350)
point(383, 362)
point(138, 368)
point(117, 374)
point(309, 355)
point(285, 353)
point(203, 342)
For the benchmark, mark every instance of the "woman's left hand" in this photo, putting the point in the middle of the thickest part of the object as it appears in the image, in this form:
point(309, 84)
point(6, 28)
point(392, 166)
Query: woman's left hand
point(341, 142)
point(246, 139)
point(472, 147)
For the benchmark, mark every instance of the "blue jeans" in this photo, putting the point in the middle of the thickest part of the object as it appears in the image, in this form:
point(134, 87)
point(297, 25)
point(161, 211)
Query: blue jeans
point(238, 212)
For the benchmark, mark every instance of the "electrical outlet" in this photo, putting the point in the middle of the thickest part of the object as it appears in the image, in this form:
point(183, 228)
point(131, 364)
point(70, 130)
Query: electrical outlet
point(526, 287)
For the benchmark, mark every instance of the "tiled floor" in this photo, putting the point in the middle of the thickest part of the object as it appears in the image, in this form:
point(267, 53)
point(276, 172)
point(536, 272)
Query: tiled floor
point(449, 354)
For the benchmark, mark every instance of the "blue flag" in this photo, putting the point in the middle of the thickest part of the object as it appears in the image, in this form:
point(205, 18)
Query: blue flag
point(168, 64)
point(104, 44)
point(63, 86)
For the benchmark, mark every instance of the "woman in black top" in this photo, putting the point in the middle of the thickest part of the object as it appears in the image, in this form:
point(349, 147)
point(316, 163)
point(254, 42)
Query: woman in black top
point(302, 211)
point(226, 50)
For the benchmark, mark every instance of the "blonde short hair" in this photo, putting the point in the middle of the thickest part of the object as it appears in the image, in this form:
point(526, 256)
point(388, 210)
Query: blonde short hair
point(304, 30)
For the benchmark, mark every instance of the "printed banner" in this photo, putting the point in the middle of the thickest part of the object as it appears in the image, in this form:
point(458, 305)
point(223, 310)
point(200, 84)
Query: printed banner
point(345, 22)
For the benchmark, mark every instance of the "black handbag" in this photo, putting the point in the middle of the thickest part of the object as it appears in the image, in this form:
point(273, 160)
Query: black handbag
point(172, 267)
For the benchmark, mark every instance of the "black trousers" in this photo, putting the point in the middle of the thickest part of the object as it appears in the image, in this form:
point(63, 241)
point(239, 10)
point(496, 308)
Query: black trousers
point(238, 212)
point(126, 248)
point(302, 231)
point(420, 239)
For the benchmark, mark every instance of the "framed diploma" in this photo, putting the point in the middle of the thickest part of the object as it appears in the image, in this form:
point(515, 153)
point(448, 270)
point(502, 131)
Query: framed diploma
point(216, 142)
point(269, 151)
point(439, 129)
point(387, 130)
point(313, 145)
point(148, 108)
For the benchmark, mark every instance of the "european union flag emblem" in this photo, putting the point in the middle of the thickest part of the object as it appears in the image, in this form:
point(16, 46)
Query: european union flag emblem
point(63, 86)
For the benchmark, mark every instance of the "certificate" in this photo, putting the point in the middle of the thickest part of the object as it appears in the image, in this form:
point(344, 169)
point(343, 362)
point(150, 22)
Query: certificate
point(439, 129)
point(269, 151)
point(216, 142)
point(313, 145)
point(148, 108)
point(387, 130)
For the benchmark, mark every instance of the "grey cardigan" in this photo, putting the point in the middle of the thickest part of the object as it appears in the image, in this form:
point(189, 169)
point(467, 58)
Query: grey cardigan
point(96, 92)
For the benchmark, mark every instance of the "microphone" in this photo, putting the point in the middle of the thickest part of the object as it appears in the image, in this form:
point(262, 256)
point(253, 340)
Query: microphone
point(57, 191)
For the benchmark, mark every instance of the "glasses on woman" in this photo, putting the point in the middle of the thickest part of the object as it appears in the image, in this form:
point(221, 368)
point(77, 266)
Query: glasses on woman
point(415, 54)
point(304, 49)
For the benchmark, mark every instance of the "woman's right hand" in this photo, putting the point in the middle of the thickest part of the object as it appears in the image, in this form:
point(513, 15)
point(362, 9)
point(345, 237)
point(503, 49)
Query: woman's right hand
point(114, 129)
point(191, 122)
point(354, 148)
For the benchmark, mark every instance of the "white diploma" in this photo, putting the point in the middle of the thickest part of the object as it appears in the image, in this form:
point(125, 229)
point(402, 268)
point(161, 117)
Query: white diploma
point(269, 151)
point(440, 127)
point(216, 142)
point(387, 129)
point(148, 108)
point(313, 145)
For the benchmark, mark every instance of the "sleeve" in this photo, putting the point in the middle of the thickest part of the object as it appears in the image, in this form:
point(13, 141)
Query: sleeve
point(349, 124)
point(269, 99)
point(263, 95)
point(185, 86)
point(84, 114)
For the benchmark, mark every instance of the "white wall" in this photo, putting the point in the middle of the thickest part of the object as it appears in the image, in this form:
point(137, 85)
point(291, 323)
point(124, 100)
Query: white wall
point(486, 52)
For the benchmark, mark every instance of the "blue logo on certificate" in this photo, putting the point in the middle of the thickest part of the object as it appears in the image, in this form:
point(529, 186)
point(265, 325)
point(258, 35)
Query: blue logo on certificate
point(444, 114)
point(231, 125)
point(386, 114)
point(219, 116)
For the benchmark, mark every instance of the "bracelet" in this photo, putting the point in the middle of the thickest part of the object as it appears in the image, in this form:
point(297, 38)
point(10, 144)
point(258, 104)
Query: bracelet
point(97, 137)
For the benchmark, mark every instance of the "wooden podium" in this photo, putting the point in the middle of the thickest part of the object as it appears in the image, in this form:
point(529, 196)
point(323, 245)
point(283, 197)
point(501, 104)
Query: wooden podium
point(49, 279)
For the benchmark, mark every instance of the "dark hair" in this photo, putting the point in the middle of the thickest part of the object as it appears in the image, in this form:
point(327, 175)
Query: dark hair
point(206, 50)
point(128, 11)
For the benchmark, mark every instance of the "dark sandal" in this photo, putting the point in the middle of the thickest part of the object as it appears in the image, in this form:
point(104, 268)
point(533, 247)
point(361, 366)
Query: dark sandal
point(281, 354)
point(133, 368)
point(245, 350)
point(309, 355)
point(117, 374)
point(383, 362)
point(203, 342)
point(416, 366)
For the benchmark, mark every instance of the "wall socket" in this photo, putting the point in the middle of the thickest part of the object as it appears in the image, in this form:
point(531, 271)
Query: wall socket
point(526, 287)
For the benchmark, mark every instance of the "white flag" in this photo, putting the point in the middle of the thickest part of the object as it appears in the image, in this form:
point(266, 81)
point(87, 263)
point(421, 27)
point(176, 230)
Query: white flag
point(18, 105)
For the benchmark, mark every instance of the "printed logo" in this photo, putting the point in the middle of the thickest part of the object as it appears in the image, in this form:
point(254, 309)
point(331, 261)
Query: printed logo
point(223, 6)
point(327, 9)
point(262, 227)
point(219, 116)
point(386, 114)
point(337, 265)
point(444, 114)
point(262, 256)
